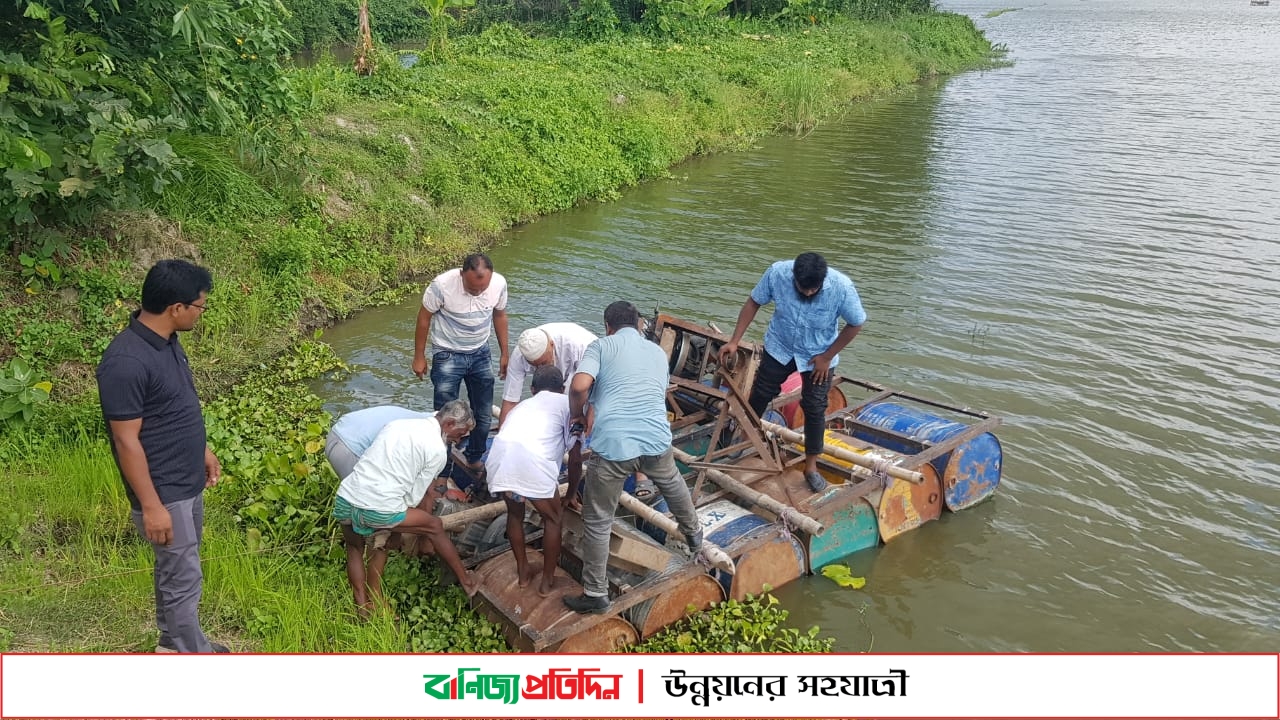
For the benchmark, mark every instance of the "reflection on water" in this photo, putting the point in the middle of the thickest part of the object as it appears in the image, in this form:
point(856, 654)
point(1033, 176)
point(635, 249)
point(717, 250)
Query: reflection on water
point(1086, 243)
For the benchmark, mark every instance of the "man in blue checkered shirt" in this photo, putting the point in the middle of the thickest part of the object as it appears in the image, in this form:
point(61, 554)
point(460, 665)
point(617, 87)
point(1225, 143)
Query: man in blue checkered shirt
point(804, 335)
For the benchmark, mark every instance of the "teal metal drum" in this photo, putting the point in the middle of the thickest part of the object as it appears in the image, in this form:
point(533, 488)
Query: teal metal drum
point(764, 555)
point(970, 473)
point(850, 528)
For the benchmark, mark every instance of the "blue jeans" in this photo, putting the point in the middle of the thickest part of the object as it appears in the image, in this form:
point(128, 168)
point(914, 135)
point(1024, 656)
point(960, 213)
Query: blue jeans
point(451, 369)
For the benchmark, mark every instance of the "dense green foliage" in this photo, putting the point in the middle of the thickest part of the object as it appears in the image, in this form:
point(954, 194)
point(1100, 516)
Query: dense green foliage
point(754, 625)
point(92, 90)
point(320, 23)
point(269, 436)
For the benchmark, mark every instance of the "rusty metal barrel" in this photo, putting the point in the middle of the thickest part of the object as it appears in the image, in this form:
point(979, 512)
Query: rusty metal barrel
point(763, 552)
point(900, 505)
point(698, 591)
point(969, 473)
point(532, 623)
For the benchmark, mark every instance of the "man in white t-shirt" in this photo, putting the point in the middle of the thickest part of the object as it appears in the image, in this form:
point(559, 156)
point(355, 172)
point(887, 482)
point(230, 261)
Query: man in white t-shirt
point(524, 463)
point(559, 344)
point(459, 310)
point(387, 491)
point(355, 431)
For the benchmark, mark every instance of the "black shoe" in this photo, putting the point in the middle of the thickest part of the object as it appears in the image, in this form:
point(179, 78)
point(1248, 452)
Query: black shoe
point(587, 604)
point(817, 483)
point(219, 647)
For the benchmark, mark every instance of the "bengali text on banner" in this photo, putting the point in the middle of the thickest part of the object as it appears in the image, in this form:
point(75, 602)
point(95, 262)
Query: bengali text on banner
point(640, 686)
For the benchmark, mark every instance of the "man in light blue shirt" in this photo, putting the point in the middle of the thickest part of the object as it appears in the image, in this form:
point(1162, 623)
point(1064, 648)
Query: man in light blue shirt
point(804, 335)
point(354, 432)
point(625, 377)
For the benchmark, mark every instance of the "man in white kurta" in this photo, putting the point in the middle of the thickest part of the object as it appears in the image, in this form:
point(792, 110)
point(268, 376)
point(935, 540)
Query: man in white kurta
point(524, 463)
point(560, 344)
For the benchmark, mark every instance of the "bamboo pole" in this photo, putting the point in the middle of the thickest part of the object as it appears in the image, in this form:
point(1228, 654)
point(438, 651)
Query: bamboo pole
point(454, 521)
point(858, 459)
point(755, 497)
point(713, 553)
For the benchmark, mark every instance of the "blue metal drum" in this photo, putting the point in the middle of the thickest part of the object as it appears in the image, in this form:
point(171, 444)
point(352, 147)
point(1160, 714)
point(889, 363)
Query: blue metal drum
point(970, 473)
point(763, 555)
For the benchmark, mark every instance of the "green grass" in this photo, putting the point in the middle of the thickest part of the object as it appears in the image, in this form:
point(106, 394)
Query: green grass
point(75, 576)
point(802, 93)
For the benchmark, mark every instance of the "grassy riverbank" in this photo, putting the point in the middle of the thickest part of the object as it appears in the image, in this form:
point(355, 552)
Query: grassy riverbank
point(396, 177)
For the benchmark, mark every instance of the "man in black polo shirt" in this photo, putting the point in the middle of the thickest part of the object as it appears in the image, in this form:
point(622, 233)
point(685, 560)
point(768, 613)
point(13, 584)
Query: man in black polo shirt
point(157, 435)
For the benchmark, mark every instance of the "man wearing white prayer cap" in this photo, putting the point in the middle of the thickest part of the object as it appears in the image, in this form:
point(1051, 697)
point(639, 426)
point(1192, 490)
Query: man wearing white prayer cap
point(560, 344)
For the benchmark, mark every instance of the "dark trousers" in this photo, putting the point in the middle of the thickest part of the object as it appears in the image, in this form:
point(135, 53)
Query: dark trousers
point(178, 579)
point(813, 398)
point(449, 371)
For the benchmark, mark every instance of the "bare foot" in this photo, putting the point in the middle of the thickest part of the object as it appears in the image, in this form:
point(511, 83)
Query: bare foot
point(470, 585)
point(527, 577)
point(547, 586)
point(364, 610)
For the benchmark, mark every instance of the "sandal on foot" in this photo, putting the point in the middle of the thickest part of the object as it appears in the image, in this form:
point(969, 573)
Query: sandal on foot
point(646, 493)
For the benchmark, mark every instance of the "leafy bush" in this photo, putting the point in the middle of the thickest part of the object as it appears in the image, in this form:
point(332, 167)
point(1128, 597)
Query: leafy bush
point(269, 436)
point(737, 626)
point(21, 390)
point(441, 19)
point(594, 20)
point(288, 252)
point(70, 138)
point(91, 91)
point(42, 263)
point(320, 23)
point(677, 18)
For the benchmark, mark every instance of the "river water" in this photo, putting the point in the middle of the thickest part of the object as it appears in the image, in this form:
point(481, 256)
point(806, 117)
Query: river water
point(1086, 242)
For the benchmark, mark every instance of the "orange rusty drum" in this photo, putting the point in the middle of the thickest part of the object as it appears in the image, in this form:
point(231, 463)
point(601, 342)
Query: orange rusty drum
point(532, 623)
point(905, 505)
point(699, 590)
point(609, 635)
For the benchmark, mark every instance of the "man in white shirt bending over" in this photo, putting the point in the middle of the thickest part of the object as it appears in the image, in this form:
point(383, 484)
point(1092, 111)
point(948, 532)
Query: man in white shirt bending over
point(387, 491)
point(355, 431)
point(459, 309)
point(559, 344)
point(524, 463)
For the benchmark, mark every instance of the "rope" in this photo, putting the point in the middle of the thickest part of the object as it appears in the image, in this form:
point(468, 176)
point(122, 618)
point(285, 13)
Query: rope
point(700, 557)
point(785, 530)
point(122, 573)
point(880, 467)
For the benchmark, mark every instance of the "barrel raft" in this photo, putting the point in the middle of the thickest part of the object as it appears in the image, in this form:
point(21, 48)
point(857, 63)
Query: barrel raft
point(893, 461)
